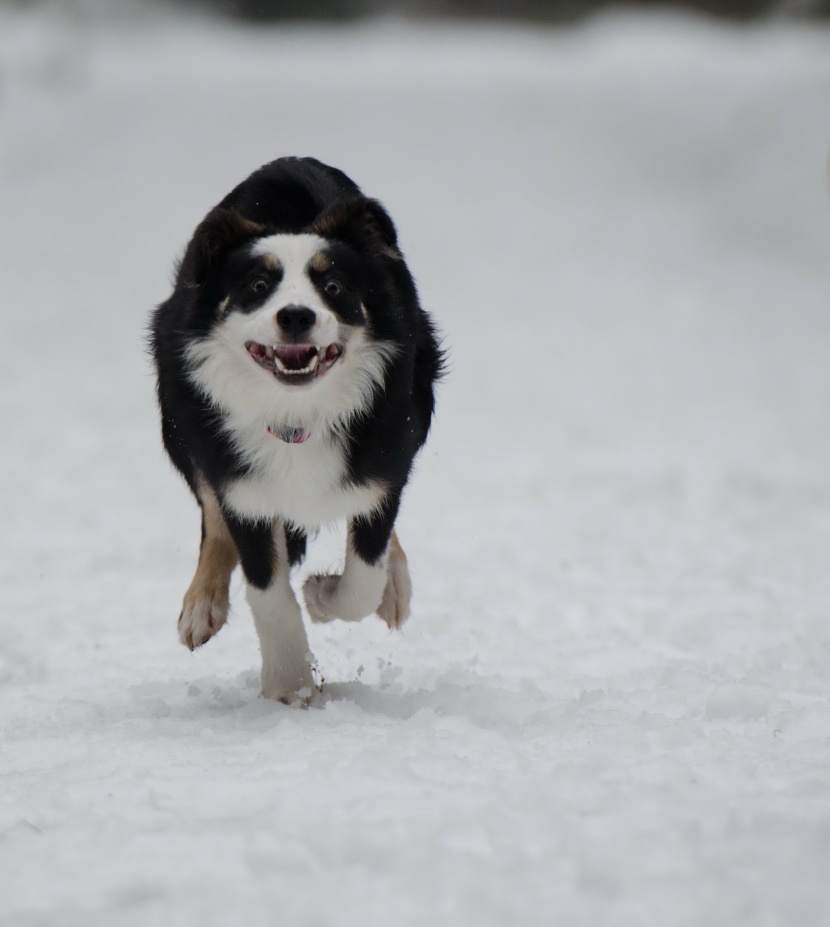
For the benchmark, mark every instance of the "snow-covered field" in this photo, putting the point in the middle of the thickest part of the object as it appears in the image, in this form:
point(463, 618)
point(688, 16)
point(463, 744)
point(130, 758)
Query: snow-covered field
point(612, 703)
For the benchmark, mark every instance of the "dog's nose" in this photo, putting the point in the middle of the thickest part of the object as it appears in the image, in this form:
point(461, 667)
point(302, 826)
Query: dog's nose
point(296, 320)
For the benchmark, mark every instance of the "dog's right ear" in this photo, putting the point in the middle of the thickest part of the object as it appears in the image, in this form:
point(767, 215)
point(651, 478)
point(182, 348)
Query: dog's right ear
point(360, 221)
point(219, 232)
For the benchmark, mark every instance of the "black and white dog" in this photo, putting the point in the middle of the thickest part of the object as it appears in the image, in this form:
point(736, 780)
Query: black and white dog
point(295, 377)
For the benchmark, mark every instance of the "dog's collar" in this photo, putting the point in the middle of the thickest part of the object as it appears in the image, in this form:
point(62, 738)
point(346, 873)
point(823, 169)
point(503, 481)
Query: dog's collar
point(290, 435)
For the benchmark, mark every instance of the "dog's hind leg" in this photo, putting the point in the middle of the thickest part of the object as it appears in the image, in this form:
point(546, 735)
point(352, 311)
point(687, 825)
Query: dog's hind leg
point(205, 607)
point(394, 606)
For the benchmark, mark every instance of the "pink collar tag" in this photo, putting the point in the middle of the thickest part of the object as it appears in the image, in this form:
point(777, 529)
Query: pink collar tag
point(290, 435)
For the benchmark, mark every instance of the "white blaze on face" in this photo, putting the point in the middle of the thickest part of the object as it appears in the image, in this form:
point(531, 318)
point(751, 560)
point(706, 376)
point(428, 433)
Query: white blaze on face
point(294, 254)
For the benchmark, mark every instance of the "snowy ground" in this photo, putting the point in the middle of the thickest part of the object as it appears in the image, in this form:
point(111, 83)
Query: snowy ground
point(612, 703)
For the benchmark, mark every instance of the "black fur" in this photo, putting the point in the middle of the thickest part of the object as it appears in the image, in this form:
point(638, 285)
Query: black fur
point(294, 195)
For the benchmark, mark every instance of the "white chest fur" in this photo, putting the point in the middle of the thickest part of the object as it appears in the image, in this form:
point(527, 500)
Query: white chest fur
point(300, 482)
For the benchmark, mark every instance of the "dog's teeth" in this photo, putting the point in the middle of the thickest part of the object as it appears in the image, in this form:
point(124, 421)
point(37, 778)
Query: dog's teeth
point(291, 371)
point(269, 352)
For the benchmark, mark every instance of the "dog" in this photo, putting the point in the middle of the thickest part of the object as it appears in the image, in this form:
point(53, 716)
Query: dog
point(296, 372)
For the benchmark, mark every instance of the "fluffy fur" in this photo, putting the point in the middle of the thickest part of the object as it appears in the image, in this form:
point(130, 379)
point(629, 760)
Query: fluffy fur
point(296, 371)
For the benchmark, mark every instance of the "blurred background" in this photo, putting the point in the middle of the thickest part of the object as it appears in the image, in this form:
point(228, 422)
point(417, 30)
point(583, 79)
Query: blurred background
point(551, 11)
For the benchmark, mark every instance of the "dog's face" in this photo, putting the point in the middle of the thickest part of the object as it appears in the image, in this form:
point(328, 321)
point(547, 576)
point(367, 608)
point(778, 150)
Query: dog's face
point(295, 303)
point(285, 318)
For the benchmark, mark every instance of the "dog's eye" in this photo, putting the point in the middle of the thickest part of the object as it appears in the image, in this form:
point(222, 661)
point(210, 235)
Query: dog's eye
point(258, 285)
point(333, 286)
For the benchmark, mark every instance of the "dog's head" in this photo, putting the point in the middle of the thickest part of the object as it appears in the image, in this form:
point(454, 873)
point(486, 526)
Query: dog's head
point(294, 311)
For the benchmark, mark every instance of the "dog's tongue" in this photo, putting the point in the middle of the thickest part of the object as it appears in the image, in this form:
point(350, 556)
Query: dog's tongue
point(295, 356)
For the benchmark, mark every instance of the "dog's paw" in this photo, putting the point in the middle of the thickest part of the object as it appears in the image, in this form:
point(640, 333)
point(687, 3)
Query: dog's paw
point(306, 697)
point(319, 592)
point(201, 619)
point(292, 686)
point(394, 606)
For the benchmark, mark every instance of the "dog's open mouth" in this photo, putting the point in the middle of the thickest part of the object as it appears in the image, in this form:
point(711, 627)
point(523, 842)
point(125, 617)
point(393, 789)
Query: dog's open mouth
point(295, 363)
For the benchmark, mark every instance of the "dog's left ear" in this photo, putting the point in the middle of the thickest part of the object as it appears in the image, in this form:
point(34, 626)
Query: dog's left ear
point(219, 232)
point(362, 222)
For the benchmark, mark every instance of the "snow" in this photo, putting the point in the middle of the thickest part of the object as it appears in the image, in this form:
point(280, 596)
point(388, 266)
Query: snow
point(611, 704)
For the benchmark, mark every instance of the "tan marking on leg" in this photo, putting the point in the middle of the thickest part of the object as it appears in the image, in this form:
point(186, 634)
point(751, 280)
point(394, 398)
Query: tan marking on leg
point(394, 606)
point(205, 607)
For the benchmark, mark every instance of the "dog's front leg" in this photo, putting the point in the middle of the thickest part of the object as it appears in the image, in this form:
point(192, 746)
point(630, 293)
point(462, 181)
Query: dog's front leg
point(205, 606)
point(375, 577)
point(286, 660)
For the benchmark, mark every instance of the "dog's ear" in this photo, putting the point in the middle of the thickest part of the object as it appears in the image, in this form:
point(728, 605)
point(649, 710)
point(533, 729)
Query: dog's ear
point(219, 232)
point(361, 222)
